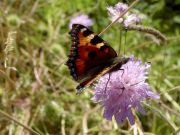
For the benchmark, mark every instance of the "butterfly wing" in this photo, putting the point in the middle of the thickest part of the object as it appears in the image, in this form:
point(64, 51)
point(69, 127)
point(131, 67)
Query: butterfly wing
point(115, 65)
point(89, 54)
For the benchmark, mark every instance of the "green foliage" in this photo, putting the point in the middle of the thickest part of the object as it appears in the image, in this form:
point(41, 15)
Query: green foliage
point(41, 93)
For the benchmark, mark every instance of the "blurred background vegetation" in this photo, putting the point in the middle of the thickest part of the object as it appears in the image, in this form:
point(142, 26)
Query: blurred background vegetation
point(35, 85)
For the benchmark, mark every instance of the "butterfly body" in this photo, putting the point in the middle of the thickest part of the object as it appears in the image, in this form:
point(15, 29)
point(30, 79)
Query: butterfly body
point(90, 56)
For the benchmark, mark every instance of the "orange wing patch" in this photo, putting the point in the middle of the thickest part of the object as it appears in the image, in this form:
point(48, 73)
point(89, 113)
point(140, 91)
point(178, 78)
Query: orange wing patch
point(89, 53)
point(85, 40)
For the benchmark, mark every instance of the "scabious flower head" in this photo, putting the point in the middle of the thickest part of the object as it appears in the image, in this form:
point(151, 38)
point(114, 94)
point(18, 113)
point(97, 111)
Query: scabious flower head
point(121, 90)
point(115, 11)
point(127, 19)
point(132, 18)
point(81, 19)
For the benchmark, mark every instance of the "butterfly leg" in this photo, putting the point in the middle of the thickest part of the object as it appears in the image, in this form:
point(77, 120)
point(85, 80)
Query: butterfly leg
point(108, 81)
point(121, 91)
point(122, 72)
point(88, 82)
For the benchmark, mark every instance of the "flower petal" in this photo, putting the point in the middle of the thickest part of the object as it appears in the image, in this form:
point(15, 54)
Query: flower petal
point(130, 117)
point(125, 90)
point(153, 95)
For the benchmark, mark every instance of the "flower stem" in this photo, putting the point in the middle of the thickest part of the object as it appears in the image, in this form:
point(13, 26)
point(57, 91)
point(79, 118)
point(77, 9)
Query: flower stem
point(163, 116)
point(19, 123)
point(120, 40)
point(135, 2)
point(149, 30)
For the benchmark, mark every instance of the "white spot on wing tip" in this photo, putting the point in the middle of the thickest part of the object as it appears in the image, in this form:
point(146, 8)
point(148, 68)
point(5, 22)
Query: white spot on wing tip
point(83, 29)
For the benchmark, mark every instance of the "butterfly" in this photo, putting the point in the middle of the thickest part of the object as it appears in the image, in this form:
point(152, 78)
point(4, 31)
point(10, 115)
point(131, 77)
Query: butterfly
point(90, 57)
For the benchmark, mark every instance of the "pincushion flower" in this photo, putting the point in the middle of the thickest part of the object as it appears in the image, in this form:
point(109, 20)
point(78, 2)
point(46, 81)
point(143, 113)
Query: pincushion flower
point(132, 18)
point(127, 19)
point(115, 11)
point(124, 89)
point(81, 19)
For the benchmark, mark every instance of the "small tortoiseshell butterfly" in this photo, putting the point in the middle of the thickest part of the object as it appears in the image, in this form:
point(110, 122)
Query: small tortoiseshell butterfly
point(90, 57)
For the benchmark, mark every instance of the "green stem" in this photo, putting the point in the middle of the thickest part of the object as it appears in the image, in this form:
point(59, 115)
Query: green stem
point(148, 30)
point(17, 122)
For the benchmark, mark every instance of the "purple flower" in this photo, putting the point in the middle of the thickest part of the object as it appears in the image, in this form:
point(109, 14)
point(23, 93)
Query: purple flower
point(81, 19)
point(132, 18)
point(117, 10)
point(127, 19)
point(120, 91)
